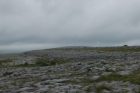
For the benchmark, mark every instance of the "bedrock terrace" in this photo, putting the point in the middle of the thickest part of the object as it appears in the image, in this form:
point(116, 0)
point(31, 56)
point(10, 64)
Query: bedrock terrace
point(72, 70)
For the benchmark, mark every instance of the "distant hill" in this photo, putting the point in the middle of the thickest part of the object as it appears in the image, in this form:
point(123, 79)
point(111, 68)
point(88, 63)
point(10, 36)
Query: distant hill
point(9, 51)
point(71, 47)
point(8, 55)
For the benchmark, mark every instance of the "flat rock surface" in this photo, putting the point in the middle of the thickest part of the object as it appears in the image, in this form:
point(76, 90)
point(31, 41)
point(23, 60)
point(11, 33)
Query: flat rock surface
point(71, 71)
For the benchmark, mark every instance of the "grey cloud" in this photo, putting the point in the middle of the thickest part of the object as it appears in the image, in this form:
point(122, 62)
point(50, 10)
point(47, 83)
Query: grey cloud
point(52, 23)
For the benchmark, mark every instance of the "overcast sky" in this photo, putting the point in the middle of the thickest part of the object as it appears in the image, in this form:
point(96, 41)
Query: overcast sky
point(41, 24)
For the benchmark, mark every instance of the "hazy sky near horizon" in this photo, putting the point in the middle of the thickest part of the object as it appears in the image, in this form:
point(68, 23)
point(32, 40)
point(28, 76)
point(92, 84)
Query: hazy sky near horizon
point(37, 24)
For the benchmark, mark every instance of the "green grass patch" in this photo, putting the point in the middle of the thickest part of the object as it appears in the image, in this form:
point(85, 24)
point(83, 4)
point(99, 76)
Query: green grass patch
point(46, 62)
point(1, 87)
point(99, 89)
point(25, 65)
point(5, 61)
point(108, 70)
point(41, 62)
point(14, 83)
point(2, 62)
point(111, 77)
point(126, 91)
point(89, 89)
point(7, 73)
point(133, 78)
point(87, 81)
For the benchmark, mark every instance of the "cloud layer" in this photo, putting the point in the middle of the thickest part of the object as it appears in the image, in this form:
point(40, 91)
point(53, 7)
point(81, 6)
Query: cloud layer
point(36, 24)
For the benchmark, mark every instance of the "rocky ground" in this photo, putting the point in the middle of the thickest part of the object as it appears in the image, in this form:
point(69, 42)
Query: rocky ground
point(72, 70)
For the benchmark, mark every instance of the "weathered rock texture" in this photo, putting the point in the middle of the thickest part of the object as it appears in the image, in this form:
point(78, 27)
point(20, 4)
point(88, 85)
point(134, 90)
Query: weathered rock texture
point(81, 73)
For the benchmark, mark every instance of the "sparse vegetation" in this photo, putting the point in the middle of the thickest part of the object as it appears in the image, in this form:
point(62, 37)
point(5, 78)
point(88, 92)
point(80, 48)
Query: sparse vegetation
point(125, 45)
point(5, 61)
point(87, 81)
point(100, 88)
point(1, 87)
point(14, 83)
point(24, 65)
point(133, 78)
point(5, 86)
point(88, 89)
point(7, 73)
point(108, 70)
point(125, 85)
point(126, 91)
point(46, 62)
point(77, 92)
point(41, 62)
point(94, 72)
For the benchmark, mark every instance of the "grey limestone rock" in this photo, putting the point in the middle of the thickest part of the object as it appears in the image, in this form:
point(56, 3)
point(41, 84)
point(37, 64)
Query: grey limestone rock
point(94, 77)
point(82, 67)
point(124, 72)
